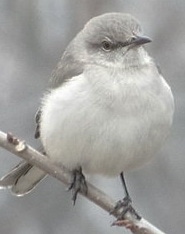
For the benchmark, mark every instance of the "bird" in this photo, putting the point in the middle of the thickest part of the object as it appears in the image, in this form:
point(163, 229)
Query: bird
point(107, 109)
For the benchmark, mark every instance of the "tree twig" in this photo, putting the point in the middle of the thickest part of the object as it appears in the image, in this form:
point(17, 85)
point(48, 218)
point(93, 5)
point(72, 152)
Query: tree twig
point(22, 150)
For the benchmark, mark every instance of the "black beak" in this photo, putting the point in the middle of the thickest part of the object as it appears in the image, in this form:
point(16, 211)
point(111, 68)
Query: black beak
point(140, 40)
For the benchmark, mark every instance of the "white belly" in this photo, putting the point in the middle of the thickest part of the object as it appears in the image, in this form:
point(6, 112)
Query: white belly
point(103, 136)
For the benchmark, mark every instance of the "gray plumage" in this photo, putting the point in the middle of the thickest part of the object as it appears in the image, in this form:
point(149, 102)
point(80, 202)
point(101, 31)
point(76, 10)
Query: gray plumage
point(107, 108)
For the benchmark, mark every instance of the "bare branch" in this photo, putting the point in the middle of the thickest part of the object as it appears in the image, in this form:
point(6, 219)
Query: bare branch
point(22, 150)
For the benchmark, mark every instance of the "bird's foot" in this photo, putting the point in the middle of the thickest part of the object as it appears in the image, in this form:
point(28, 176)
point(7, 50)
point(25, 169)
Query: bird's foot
point(124, 206)
point(78, 184)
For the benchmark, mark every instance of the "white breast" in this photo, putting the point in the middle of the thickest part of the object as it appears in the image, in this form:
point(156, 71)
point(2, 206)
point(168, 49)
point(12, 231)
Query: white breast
point(107, 124)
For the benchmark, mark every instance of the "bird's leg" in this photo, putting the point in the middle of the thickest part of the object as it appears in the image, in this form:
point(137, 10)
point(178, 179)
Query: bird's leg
point(78, 183)
point(125, 205)
point(126, 200)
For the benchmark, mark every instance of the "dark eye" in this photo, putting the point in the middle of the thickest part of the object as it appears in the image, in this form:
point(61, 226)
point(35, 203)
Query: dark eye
point(133, 39)
point(106, 45)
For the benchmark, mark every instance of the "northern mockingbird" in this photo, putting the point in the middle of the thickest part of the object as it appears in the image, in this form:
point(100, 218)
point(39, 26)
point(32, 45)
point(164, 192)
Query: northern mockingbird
point(107, 109)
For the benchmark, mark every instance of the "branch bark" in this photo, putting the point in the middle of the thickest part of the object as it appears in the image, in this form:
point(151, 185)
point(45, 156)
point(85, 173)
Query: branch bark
point(23, 150)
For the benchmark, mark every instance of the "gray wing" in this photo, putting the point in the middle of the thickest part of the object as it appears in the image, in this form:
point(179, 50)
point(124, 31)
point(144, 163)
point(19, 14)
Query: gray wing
point(68, 67)
point(37, 120)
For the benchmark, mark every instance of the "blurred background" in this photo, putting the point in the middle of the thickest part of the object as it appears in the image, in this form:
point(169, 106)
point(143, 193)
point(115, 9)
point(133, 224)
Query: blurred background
point(33, 36)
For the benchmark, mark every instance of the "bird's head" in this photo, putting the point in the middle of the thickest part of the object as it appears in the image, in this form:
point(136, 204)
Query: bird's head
point(112, 39)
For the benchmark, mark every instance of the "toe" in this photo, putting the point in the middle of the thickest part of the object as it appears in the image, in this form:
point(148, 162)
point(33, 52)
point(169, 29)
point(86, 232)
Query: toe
point(78, 184)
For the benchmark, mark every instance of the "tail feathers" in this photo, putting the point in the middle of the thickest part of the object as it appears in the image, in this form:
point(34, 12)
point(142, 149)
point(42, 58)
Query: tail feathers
point(22, 179)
